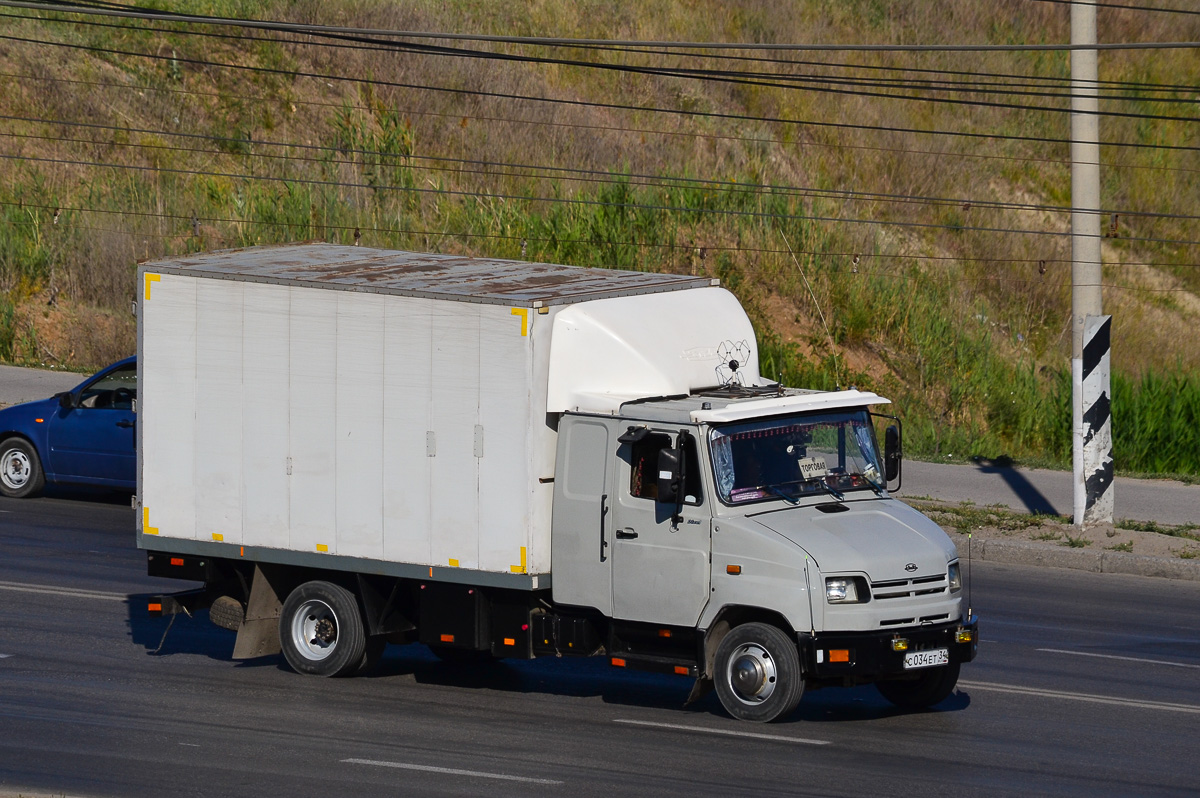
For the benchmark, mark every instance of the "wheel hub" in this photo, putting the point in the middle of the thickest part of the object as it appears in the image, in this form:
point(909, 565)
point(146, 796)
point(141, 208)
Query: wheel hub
point(752, 674)
point(16, 470)
point(325, 631)
point(314, 630)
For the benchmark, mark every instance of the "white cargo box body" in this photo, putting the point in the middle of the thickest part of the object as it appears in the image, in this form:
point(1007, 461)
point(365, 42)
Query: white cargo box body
point(386, 409)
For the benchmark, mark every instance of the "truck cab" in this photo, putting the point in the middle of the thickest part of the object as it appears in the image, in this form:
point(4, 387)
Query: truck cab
point(755, 515)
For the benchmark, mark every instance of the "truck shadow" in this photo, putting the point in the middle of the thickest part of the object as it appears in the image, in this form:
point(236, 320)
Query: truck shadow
point(587, 677)
point(575, 677)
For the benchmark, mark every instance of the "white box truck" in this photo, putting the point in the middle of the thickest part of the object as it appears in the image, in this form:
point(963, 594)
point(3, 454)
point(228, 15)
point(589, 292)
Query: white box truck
point(350, 447)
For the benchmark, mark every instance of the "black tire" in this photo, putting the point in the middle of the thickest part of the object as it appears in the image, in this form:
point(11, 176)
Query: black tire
point(931, 687)
point(758, 676)
point(321, 630)
point(21, 473)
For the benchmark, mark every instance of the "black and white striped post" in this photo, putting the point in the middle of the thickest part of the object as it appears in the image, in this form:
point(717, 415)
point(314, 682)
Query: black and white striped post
point(1091, 420)
point(1093, 433)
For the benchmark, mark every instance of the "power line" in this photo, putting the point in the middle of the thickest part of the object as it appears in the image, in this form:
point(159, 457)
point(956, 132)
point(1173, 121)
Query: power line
point(494, 169)
point(602, 105)
point(442, 234)
point(638, 130)
point(1005, 79)
point(589, 203)
point(825, 85)
point(1124, 7)
point(292, 27)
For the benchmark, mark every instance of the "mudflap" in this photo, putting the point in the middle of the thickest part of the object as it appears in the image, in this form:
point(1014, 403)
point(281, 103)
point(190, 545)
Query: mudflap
point(258, 635)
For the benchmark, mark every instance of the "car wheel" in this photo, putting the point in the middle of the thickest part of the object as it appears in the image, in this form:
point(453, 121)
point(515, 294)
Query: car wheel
point(758, 675)
point(931, 687)
point(21, 472)
point(321, 631)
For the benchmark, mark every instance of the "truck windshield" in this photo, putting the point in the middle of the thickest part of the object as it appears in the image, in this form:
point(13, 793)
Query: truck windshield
point(794, 456)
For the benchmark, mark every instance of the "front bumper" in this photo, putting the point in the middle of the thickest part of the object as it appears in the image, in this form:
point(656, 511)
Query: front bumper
point(867, 655)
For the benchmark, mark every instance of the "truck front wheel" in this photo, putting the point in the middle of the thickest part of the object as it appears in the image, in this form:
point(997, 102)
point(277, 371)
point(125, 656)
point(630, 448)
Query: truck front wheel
point(931, 687)
point(758, 674)
point(321, 631)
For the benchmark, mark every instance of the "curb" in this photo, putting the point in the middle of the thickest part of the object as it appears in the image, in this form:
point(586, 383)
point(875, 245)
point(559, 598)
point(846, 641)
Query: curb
point(1020, 552)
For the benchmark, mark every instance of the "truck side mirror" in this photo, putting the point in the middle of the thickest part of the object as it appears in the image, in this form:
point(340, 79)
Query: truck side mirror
point(669, 476)
point(891, 453)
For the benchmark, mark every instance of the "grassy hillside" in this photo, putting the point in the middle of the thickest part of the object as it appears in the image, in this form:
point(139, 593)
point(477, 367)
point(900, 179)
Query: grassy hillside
point(931, 266)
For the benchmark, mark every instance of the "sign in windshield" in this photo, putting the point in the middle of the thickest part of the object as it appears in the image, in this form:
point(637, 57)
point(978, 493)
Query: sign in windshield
point(793, 456)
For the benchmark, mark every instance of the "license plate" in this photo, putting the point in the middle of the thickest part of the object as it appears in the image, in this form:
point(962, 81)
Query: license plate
point(926, 659)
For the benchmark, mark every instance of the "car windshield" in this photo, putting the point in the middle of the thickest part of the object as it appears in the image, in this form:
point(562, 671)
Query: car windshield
point(793, 456)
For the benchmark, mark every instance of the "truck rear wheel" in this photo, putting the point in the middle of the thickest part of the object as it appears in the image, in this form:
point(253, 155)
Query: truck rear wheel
point(321, 631)
point(758, 674)
point(931, 687)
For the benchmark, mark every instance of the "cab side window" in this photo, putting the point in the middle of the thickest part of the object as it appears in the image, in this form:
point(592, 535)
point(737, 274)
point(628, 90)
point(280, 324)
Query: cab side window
point(643, 472)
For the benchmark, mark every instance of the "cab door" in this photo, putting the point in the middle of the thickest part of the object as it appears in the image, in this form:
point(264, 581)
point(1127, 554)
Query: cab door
point(660, 571)
point(581, 529)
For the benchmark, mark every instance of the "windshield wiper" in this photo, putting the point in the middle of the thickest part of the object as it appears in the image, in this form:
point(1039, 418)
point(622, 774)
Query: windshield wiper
point(775, 489)
point(837, 494)
point(875, 486)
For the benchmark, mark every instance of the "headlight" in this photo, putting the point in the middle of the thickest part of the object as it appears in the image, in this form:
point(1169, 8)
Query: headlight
point(955, 577)
point(845, 590)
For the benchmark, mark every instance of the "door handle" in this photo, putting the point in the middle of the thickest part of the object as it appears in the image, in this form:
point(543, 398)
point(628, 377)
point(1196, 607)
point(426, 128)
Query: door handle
point(125, 423)
point(603, 540)
point(626, 534)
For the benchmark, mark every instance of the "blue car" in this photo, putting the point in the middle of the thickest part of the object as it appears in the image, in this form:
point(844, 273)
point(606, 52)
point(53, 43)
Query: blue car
point(82, 437)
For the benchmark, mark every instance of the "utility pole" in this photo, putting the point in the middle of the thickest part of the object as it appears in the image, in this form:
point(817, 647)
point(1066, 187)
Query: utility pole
point(1091, 418)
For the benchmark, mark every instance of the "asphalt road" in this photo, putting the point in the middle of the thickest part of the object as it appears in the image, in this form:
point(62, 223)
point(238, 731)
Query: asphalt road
point(1085, 684)
point(1033, 490)
point(24, 385)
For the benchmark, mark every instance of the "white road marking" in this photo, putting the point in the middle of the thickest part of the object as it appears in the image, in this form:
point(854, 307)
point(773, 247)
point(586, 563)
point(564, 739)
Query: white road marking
point(21, 587)
point(1123, 659)
point(726, 732)
point(191, 745)
point(450, 771)
point(5, 656)
point(1094, 699)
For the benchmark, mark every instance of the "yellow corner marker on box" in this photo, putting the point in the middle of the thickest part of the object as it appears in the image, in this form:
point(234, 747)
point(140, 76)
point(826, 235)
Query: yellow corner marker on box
point(151, 278)
point(519, 569)
point(146, 528)
point(524, 314)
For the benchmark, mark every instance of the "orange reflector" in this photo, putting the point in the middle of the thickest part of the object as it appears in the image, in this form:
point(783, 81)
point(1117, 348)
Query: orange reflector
point(839, 655)
point(508, 641)
point(618, 662)
point(681, 670)
point(39, 420)
point(176, 561)
point(733, 569)
point(155, 608)
point(243, 551)
point(664, 632)
point(447, 638)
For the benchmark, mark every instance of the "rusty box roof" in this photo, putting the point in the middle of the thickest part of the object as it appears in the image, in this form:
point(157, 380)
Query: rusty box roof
point(453, 277)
